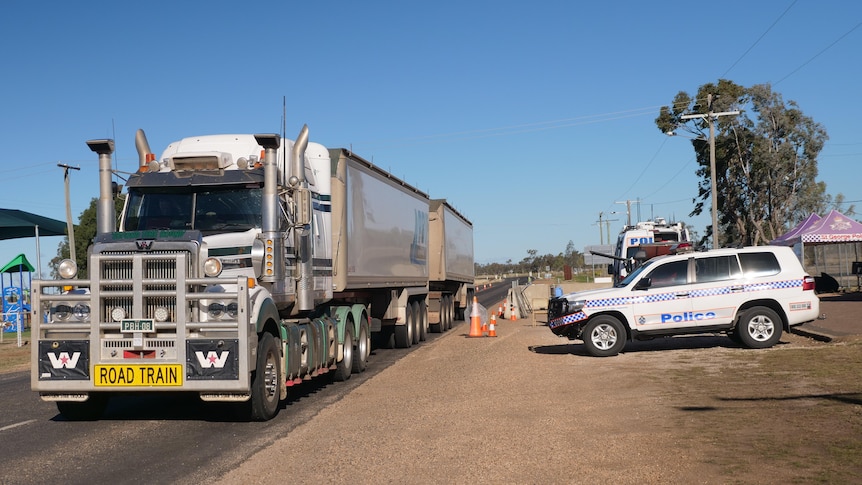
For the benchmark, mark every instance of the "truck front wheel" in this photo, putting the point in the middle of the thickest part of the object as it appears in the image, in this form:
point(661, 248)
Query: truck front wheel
point(265, 380)
point(604, 336)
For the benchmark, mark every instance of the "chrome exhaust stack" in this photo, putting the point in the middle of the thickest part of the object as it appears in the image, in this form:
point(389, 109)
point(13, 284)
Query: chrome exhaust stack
point(272, 270)
point(302, 224)
point(106, 216)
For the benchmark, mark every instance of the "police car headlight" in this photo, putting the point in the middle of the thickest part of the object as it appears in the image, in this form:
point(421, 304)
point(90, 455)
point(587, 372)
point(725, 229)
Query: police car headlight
point(575, 306)
point(212, 267)
point(67, 269)
point(82, 311)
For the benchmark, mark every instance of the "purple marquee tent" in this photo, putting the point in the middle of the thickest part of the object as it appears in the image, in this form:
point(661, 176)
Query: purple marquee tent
point(800, 228)
point(836, 236)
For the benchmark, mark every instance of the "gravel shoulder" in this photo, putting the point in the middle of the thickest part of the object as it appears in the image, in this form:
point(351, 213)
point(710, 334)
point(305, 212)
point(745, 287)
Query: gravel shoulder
point(519, 408)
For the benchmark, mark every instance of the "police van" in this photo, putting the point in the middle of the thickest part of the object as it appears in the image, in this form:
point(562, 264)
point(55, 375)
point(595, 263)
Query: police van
point(752, 294)
point(656, 233)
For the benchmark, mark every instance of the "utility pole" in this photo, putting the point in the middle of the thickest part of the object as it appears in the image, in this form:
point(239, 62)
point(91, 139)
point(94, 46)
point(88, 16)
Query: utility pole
point(628, 204)
point(70, 228)
point(601, 240)
point(710, 119)
point(608, 228)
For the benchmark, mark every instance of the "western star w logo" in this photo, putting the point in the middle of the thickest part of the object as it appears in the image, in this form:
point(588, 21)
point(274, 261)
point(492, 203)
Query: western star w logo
point(63, 360)
point(212, 359)
point(144, 244)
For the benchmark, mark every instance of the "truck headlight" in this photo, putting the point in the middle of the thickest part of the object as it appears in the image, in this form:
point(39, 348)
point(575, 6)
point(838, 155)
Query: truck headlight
point(67, 269)
point(82, 311)
point(212, 267)
point(215, 309)
point(118, 314)
point(61, 312)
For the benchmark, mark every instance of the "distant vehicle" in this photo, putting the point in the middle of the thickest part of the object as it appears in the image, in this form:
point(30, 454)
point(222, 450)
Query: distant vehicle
point(752, 294)
point(654, 237)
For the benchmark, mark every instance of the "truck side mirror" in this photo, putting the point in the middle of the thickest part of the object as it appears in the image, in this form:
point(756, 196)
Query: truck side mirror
point(610, 269)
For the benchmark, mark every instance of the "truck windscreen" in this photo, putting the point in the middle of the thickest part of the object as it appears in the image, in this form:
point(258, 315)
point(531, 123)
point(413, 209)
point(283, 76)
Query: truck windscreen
point(207, 210)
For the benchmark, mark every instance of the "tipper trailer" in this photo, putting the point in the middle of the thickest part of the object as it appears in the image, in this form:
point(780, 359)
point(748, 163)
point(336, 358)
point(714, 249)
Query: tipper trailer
point(241, 265)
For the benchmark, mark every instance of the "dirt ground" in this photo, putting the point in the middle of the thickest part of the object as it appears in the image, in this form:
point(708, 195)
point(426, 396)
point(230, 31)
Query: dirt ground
point(529, 407)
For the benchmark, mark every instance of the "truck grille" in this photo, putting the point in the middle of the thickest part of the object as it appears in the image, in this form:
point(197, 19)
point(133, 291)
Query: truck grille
point(150, 276)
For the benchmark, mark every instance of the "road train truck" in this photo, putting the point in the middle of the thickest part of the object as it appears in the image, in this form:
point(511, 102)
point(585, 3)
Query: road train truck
point(240, 266)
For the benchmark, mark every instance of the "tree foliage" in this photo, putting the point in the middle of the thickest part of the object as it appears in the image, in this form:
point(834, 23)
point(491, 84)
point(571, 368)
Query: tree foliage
point(766, 160)
point(536, 263)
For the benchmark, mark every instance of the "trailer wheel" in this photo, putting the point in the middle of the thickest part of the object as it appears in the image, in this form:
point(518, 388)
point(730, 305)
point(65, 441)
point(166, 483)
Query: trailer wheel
point(363, 347)
point(417, 323)
point(604, 336)
point(89, 410)
point(345, 365)
point(422, 318)
point(445, 317)
point(404, 333)
point(759, 328)
point(265, 394)
point(450, 312)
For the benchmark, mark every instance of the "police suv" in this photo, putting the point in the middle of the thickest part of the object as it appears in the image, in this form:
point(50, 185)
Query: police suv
point(751, 293)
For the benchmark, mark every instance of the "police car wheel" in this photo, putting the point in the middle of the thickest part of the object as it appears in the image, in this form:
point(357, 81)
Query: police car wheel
point(759, 328)
point(604, 336)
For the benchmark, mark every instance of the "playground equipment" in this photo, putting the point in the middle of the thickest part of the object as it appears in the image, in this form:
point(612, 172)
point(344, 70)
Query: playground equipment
point(16, 299)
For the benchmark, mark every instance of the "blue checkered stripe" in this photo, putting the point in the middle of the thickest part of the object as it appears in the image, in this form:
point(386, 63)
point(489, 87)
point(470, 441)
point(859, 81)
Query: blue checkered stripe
point(726, 290)
point(567, 320)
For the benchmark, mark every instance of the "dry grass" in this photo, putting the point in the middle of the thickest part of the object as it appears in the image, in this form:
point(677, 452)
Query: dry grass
point(792, 414)
point(12, 357)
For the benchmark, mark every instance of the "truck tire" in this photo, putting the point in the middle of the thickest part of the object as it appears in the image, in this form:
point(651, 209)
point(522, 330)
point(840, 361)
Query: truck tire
point(604, 336)
point(417, 323)
point(422, 319)
point(404, 333)
point(344, 367)
point(265, 395)
point(446, 312)
point(89, 410)
point(759, 327)
point(363, 348)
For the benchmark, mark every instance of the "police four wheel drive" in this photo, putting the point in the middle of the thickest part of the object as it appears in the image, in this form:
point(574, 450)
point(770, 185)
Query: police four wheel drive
point(752, 294)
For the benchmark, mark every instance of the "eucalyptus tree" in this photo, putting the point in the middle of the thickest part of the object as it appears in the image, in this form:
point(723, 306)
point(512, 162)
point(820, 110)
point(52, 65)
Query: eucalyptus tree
point(765, 159)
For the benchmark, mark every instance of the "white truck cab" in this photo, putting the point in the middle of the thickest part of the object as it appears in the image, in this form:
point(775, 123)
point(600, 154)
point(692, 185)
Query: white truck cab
point(751, 293)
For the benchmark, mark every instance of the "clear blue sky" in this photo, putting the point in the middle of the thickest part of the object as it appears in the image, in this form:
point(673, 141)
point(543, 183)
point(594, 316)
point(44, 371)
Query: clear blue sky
point(530, 117)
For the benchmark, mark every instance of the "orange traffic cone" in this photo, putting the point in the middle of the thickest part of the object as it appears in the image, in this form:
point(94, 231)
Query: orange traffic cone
point(492, 327)
point(512, 315)
point(500, 311)
point(475, 321)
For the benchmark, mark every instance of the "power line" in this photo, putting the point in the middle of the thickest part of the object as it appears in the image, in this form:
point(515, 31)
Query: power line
point(818, 54)
point(759, 39)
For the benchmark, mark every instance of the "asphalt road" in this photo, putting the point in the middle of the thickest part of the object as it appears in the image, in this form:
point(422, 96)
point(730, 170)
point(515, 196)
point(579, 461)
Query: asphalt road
point(159, 439)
